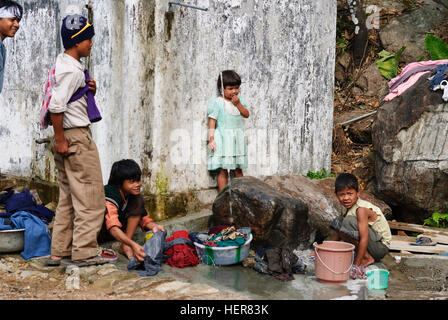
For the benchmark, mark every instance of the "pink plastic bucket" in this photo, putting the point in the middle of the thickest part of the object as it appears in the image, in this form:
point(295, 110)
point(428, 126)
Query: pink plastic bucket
point(333, 261)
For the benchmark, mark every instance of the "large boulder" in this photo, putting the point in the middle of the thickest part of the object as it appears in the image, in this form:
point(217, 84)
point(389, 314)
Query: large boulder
point(322, 208)
point(410, 29)
point(410, 138)
point(276, 219)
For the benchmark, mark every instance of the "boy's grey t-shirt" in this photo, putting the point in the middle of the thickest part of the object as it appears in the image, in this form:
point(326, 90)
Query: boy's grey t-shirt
point(2, 62)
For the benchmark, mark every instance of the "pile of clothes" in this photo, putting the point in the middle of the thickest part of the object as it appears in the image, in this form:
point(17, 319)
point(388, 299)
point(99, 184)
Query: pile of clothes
point(177, 251)
point(435, 70)
point(23, 212)
point(221, 236)
point(24, 201)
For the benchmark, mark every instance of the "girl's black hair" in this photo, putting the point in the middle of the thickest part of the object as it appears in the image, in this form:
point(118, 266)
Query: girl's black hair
point(231, 78)
point(126, 169)
point(11, 3)
point(346, 181)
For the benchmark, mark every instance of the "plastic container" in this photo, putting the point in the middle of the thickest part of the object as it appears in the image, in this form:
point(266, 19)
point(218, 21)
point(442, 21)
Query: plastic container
point(12, 240)
point(333, 261)
point(222, 256)
point(377, 279)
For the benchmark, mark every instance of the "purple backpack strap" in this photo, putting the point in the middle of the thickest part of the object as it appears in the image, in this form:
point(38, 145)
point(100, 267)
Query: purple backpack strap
point(92, 109)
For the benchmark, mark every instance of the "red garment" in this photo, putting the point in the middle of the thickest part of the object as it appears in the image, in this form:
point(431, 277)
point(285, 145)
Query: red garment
point(181, 255)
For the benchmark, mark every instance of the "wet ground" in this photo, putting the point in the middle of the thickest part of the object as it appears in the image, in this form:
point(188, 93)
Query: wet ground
point(32, 280)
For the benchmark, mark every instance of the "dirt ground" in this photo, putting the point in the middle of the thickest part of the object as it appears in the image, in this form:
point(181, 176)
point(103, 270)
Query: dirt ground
point(32, 280)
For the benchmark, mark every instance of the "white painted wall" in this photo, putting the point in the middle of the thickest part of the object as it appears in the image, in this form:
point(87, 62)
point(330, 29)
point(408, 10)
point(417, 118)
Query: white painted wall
point(155, 82)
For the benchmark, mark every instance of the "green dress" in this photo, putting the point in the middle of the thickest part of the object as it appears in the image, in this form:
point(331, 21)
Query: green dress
point(231, 148)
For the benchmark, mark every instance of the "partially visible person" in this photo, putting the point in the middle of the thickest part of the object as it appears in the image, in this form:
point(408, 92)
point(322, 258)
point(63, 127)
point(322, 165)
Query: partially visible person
point(362, 224)
point(125, 209)
point(10, 15)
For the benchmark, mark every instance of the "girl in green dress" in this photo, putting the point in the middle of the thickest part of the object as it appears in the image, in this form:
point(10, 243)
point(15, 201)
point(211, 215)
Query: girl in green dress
point(227, 142)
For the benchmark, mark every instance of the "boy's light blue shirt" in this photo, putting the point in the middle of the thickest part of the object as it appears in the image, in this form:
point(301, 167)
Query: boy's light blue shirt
point(2, 63)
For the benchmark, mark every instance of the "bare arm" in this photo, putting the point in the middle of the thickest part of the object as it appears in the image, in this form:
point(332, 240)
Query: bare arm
point(119, 235)
point(244, 112)
point(363, 228)
point(61, 143)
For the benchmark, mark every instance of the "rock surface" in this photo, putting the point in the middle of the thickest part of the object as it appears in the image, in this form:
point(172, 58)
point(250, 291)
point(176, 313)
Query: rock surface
point(276, 218)
point(321, 207)
point(410, 138)
point(411, 28)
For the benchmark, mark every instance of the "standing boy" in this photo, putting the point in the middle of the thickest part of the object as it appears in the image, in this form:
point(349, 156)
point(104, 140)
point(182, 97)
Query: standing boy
point(80, 210)
point(362, 224)
point(10, 15)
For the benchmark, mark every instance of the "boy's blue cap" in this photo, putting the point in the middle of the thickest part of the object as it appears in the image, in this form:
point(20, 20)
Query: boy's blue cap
point(75, 29)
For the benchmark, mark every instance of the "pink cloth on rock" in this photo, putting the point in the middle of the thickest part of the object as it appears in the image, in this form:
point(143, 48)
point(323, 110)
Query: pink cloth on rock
point(412, 79)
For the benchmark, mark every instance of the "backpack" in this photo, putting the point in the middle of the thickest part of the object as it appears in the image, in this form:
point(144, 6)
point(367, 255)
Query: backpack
point(92, 110)
point(44, 114)
point(180, 251)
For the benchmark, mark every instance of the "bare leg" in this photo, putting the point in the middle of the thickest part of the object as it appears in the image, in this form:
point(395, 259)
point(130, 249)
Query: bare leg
point(238, 173)
point(222, 179)
point(367, 259)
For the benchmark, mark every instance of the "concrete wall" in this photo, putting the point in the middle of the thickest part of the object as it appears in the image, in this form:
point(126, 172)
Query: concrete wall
point(156, 73)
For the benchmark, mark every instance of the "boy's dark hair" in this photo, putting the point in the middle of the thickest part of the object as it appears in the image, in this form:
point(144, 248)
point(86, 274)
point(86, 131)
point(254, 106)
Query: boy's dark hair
point(10, 3)
point(231, 78)
point(346, 181)
point(126, 169)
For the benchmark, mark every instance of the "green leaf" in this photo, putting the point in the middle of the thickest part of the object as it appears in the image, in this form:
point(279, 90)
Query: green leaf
point(437, 219)
point(388, 63)
point(436, 48)
point(320, 174)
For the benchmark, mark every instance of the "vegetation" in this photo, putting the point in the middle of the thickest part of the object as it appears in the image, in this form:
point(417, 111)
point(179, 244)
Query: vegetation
point(388, 63)
point(322, 174)
point(438, 220)
point(436, 47)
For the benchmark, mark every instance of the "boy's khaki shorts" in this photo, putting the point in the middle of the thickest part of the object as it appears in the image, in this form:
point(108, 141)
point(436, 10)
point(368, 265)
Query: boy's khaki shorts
point(349, 226)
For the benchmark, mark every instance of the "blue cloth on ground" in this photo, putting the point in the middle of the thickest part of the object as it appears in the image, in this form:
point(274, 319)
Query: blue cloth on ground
point(152, 264)
point(24, 201)
point(37, 236)
point(154, 249)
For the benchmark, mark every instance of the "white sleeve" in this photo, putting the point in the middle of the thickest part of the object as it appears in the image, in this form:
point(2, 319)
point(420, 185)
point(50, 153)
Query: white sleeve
point(66, 85)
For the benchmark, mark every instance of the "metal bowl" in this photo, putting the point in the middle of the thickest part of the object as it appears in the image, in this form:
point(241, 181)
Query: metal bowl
point(12, 240)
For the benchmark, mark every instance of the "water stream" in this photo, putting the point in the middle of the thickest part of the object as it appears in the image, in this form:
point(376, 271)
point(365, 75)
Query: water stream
point(230, 197)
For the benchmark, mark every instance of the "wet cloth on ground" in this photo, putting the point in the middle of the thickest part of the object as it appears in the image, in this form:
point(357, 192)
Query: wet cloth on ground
point(152, 263)
point(281, 263)
point(180, 250)
point(37, 241)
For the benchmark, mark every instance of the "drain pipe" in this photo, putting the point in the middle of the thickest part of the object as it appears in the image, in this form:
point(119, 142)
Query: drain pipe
point(171, 3)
